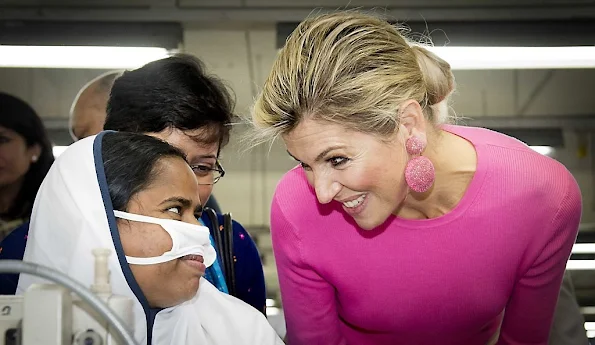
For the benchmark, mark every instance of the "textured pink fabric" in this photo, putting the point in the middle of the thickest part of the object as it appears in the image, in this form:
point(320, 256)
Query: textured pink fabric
point(498, 257)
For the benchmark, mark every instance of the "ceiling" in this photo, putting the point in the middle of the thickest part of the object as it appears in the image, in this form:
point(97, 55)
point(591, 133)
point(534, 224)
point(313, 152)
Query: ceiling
point(289, 10)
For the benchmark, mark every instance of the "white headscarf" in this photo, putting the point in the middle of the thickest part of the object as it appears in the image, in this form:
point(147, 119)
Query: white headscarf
point(73, 215)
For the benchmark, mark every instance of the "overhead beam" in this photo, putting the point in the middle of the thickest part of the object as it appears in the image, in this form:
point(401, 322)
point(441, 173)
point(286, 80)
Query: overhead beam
point(77, 33)
point(295, 14)
point(585, 297)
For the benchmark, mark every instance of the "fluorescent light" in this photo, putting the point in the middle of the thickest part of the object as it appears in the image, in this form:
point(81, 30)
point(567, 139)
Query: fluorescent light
point(57, 150)
point(78, 56)
point(587, 310)
point(590, 326)
point(590, 334)
point(544, 150)
point(270, 302)
point(580, 265)
point(474, 58)
point(583, 248)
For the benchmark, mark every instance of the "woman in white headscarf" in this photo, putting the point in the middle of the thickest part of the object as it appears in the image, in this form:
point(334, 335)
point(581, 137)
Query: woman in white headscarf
point(137, 196)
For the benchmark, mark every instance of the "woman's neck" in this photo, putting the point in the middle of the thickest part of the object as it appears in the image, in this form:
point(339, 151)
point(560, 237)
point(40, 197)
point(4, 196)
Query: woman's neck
point(455, 162)
point(8, 195)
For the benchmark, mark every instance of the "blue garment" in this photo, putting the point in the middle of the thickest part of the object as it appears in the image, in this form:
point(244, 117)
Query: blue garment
point(214, 273)
point(212, 203)
point(12, 247)
point(250, 283)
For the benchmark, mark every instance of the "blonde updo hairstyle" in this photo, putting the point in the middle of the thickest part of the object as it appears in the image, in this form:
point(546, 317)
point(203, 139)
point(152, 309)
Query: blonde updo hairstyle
point(352, 69)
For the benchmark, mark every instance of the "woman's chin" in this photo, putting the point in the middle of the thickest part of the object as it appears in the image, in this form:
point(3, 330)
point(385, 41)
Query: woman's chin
point(369, 223)
point(367, 226)
point(190, 290)
point(193, 286)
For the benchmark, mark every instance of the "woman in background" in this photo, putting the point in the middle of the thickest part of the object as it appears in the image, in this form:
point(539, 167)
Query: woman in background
point(25, 158)
point(397, 228)
point(138, 197)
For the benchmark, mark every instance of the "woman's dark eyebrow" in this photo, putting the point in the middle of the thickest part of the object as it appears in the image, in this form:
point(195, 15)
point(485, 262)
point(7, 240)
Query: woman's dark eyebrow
point(183, 201)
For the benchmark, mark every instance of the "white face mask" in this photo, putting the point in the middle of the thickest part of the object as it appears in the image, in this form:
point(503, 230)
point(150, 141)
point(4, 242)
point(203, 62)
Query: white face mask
point(187, 239)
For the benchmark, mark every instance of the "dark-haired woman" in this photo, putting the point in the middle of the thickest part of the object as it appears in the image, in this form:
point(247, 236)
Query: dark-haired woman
point(146, 216)
point(25, 158)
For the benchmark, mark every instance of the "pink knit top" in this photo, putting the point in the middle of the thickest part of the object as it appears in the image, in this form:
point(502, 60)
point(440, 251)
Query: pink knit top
point(496, 259)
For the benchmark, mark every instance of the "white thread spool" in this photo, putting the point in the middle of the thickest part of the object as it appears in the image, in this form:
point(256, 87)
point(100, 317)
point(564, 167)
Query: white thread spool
point(102, 284)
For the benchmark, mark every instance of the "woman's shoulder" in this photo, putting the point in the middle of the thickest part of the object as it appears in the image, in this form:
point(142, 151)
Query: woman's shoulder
point(245, 321)
point(532, 173)
point(537, 183)
point(515, 166)
point(484, 136)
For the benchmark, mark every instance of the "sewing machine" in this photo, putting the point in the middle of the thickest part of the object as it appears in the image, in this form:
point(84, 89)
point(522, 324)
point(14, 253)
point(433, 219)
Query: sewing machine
point(49, 314)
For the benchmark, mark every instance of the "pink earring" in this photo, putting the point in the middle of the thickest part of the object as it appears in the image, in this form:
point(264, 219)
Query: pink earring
point(419, 172)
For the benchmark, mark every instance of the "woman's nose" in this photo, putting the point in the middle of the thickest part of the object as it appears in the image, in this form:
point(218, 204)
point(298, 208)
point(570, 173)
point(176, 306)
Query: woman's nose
point(326, 189)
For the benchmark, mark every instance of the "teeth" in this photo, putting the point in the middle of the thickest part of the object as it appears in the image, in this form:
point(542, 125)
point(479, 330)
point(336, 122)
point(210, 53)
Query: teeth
point(192, 257)
point(354, 203)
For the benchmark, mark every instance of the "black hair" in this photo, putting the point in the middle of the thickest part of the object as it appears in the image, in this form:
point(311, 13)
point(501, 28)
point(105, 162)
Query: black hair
point(18, 116)
point(130, 163)
point(174, 93)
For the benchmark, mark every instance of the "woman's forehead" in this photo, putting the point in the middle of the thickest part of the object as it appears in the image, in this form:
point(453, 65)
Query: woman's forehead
point(173, 176)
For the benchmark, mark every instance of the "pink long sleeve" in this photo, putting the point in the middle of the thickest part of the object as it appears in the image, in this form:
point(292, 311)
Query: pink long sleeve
point(529, 312)
point(308, 300)
point(494, 262)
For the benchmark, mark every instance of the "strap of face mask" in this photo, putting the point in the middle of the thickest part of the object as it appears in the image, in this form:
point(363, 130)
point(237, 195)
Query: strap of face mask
point(137, 217)
point(207, 252)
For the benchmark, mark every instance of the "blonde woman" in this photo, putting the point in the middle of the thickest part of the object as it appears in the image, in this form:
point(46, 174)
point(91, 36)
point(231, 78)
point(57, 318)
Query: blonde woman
point(397, 228)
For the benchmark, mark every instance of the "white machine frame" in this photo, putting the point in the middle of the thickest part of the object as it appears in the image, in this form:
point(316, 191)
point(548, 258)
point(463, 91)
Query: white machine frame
point(49, 314)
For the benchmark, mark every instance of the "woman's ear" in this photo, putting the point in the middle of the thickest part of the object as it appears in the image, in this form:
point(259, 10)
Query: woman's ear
point(412, 120)
point(34, 152)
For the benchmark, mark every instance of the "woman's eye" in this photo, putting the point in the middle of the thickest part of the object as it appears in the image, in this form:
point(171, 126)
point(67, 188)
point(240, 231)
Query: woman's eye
point(337, 161)
point(201, 170)
point(176, 210)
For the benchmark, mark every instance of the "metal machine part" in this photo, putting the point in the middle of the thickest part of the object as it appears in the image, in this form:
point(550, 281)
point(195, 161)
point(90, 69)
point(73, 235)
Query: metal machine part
point(48, 314)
